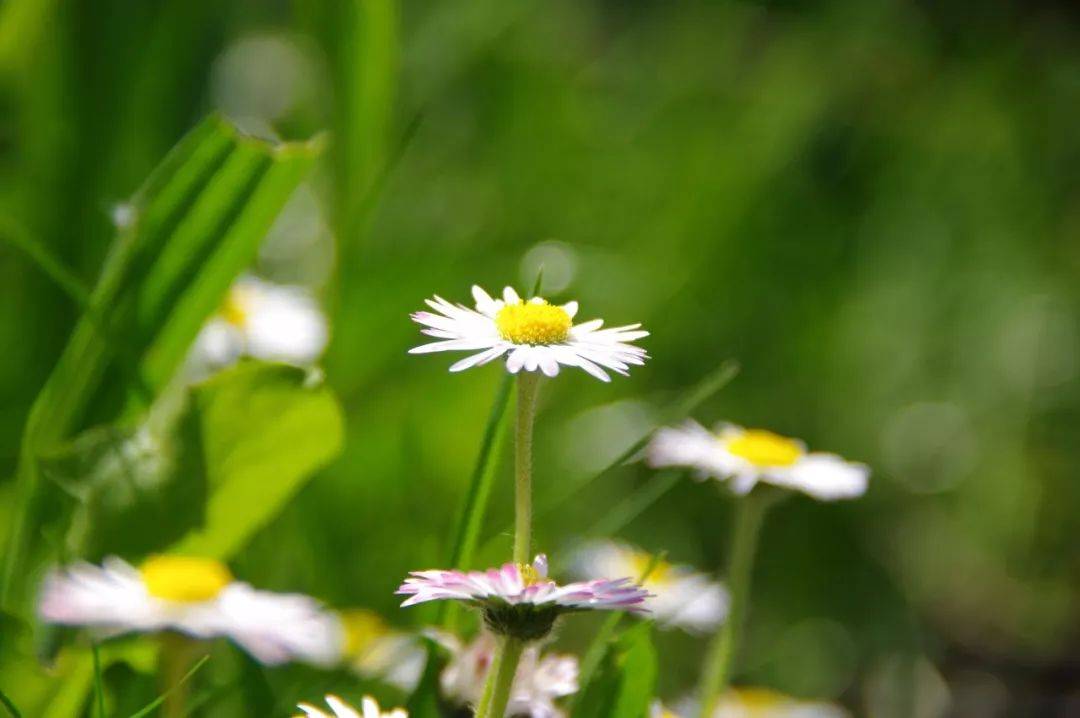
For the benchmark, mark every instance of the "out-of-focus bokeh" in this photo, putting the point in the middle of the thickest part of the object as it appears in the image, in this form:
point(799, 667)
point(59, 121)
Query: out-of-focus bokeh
point(872, 205)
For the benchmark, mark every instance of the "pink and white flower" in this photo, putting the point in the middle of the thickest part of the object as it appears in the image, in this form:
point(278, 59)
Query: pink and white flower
point(519, 585)
point(539, 682)
point(533, 335)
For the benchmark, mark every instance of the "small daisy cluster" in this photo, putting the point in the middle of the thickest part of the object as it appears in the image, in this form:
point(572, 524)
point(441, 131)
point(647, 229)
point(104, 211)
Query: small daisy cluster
point(504, 669)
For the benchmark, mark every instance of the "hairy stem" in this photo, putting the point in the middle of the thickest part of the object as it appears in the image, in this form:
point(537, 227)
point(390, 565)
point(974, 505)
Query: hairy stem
point(528, 383)
point(500, 678)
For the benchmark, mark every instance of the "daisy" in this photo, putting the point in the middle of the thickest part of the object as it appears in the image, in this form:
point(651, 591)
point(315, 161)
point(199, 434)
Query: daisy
point(681, 597)
point(341, 709)
point(194, 596)
point(747, 456)
point(263, 320)
point(533, 334)
point(538, 683)
point(375, 650)
point(520, 600)
point(763, 703)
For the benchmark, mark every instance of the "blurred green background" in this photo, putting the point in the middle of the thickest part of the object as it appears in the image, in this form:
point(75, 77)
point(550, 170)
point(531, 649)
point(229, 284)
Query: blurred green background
point(874, 206)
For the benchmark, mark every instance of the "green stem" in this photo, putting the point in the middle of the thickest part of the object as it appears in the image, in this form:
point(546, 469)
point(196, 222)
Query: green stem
point(500, 678)
point(177, 655)
point(717, 670)
point(528, 383)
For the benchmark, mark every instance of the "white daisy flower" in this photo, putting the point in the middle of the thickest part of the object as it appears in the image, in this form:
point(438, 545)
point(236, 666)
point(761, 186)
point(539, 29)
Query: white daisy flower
point(369, 707)
point(263, 320)
point(375, 650)
point(194, 596)
point(747, 456)
point(681, 597)
point(534, 335)
point(762, 703)
point(538, 683)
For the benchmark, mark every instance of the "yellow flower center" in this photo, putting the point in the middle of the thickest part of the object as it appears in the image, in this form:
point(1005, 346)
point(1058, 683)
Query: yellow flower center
point(362, 628)
point(533, 323)
point(237, 307)
point(756, 699)
point(660, 571)
point(764, 448)
point(529, 575)
point(184, 579)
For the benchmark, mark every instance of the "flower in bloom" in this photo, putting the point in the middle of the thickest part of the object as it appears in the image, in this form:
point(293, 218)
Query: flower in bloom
point(538, 683)
point(374, 650)
point(194, 596)
point(520, 600)
point(266, 321)
point(533, 334)
point(758, 703)
point(747, 456)
point(369, 708)
point(681, 597)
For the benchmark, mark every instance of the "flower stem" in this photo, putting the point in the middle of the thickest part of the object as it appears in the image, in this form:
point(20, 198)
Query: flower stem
point(528, 383)
point(717, 670)
point(500, 678)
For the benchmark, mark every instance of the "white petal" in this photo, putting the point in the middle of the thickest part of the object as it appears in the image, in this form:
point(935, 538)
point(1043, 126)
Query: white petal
point(516, 360)
point(571, 308)
point(285, 324)
point(480, 359)
point(468, 344)
point(485, 304)
point(272, 627)
point(825, 476)
point(510, 296)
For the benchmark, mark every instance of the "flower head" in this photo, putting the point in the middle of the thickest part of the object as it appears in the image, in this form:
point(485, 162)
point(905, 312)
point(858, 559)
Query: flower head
point(194, 596)
point(263, 320)
point(758, 703)
point(533, 334)
point(341, 709)
point(681, 597)
point(747, 456)
point(520, 600)
point(375, 650)
point(540, 679)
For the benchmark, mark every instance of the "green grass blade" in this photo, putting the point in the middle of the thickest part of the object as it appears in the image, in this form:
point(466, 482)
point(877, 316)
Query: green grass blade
point(676, 411)
point(154, 704)
point(50, 266)
point(471, 518)
point(9, 705)
point(198, 221)
point(99, 685)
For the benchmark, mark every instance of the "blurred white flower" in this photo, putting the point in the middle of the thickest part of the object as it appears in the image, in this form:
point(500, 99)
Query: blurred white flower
point(374, 650)
point(539, 682)
point(659, 710)
point(265, 321)
point(341, 709)
point(194, 596)
point(534, 335)
point(759, 703)
point(747, 456)
point(681, 597)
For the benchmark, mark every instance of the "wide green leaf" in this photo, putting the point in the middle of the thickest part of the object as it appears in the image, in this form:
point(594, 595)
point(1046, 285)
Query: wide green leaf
point(625, 682)
point(189, 231)
point(263, 429)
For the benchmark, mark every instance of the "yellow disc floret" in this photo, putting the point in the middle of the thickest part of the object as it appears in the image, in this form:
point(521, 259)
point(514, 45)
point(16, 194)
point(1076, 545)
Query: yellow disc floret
point(362, 629)
point(529, 574)
point(535, 322)
point(764, 448)
point(184, 579)
point(660, 572)
point(237, 306)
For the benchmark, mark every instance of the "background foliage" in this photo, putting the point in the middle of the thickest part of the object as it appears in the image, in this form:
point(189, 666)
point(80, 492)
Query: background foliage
point(873, 206)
